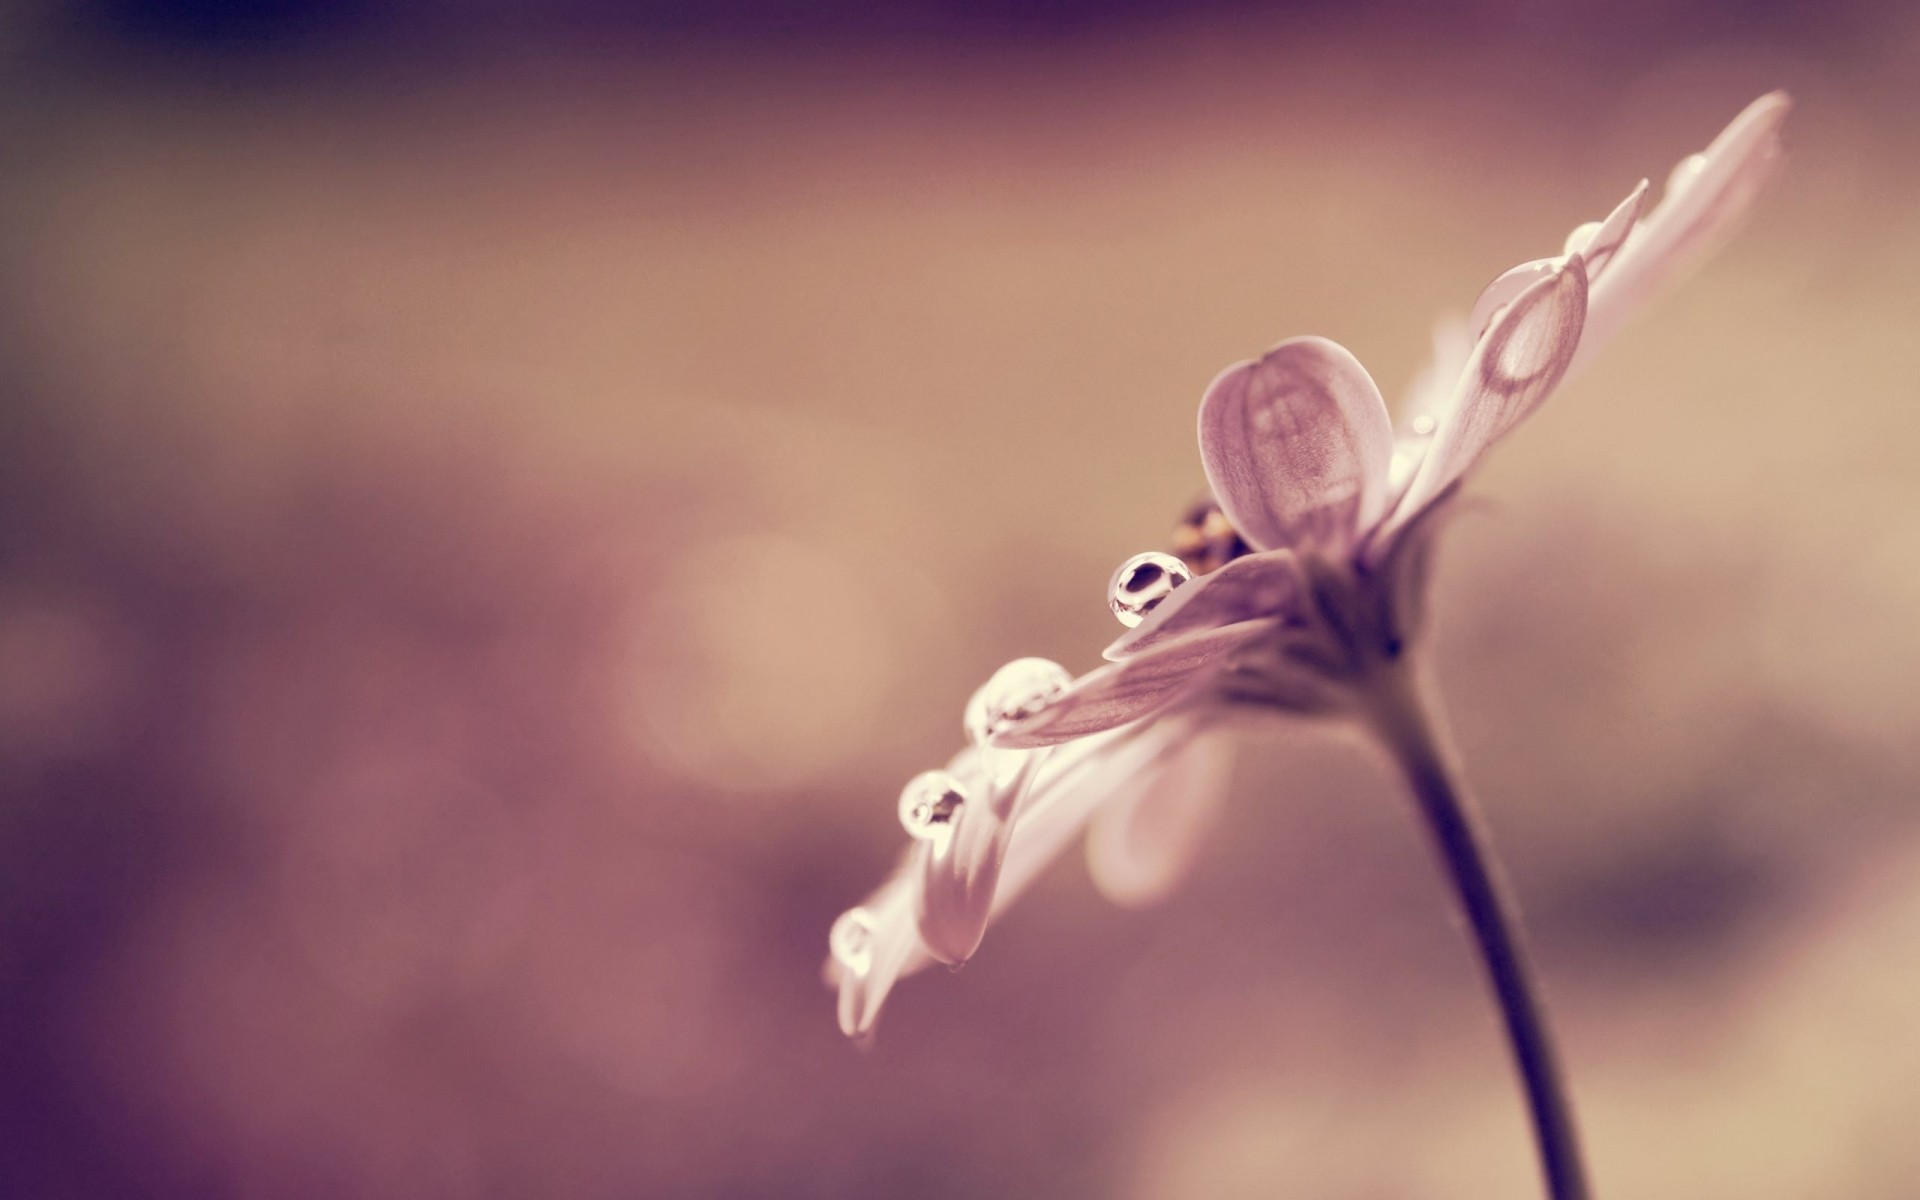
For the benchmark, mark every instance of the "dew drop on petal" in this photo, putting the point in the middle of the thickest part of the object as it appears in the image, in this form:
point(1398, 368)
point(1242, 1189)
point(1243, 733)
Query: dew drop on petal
point(851, 940)
point(930, 802)
point(1401, 468)
point(1684, 172)
point(1581, 238)
point(1424, 425)
point(1142, 582)
point(1522, 360)
point(1016, 692)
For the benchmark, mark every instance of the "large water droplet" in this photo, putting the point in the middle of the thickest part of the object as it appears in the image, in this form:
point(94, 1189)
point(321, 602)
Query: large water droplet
point(1016, 692)
point(1142, 582)
point(929, 804)
point(851, 940)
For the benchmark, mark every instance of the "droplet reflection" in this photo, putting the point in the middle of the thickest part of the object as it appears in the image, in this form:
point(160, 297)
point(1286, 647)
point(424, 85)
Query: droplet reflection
point(1142, 582)
point(1017, 691)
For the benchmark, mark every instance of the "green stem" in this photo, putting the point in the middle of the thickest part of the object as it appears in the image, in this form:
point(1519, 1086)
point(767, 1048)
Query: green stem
point(1412, 734)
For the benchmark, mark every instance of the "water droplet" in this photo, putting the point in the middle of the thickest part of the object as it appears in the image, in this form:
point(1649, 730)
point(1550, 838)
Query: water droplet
point(1401, 468)
point(1142, 582)
point(1581, 238)
point(930, 802)
point(1016, 692)
point(1685, 171)
point(1424, 425)
point(852, 940)
point(1521, 360)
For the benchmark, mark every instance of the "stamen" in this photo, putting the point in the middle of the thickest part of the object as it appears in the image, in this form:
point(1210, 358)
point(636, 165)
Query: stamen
point(1206, 540)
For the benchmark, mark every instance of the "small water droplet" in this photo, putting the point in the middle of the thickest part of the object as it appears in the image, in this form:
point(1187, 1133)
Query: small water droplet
point(1016, 692)
point(1424, 424)
point(1685, 171)
point(1581, 238)
point(1401, 468)
point(929, 804)
point(1142, 582)
point(852, 940)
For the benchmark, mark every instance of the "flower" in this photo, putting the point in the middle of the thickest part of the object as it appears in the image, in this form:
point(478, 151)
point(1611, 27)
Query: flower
point(1329, 516)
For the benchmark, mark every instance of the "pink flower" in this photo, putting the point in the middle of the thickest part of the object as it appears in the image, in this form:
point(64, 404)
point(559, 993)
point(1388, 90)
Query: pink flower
point(1338, 511)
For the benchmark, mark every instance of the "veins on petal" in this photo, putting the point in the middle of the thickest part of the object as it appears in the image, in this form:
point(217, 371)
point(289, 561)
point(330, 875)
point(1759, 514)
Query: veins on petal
point(1295, 444)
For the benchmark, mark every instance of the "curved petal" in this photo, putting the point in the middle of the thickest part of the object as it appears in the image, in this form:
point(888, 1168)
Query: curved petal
point(1503, 291)
point(1706, 199)
point(893, 950)
point(961, 869)
point(1069, 785)
point(1512, 369)
point(1598, 242)
point(1143, 842)
point(1426, 403)
point(1295, 444)
point(1404, 563)
point(1092, 773)
point(1137, 687)
point(1430, 390)
point(1265, 584)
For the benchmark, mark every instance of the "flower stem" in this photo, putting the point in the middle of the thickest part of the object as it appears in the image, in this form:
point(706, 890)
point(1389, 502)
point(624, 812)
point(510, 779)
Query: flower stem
point(1412, 733)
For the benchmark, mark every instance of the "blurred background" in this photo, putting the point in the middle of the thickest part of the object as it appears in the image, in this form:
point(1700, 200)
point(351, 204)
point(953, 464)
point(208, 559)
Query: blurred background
point(495, 499)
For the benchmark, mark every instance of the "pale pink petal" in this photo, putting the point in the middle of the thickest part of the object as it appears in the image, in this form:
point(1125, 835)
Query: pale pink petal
point(1266, 584)
point(1427, 398)
point(1071, 782)
point(1504, 290)
point(1078, 780)
point(1597, 243)
point(961, 868)
point(1144, 840)
point(1430, 390)
point(1138, 687)
point(1707, 197)
point(893, 951)
point(1512, 369)
point(1435, 389)
point(1295, 444)
point(1403, 564)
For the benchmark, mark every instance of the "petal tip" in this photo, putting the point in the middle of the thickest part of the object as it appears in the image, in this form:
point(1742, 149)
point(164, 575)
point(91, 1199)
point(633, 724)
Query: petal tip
point(1774, 106)
point(1757, 128)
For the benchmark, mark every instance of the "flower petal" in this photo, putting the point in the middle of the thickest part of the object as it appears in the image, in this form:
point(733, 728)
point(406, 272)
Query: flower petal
point(1512, 369)
point(1503, 291)
point(1405, 564)
point(1144, 839)
point(1078, 780)
point(1256, 585)
point(1137, 687)
point(961, 870)
point(1426, 402)
point(1598, 242)
point(894, 951)
point(1295, 444)
point(1706, 199)
point(1071, 782)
